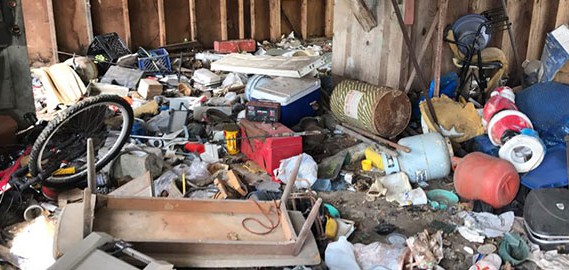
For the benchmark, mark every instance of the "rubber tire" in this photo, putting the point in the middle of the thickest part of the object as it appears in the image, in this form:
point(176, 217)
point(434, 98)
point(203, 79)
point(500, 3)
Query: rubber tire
point(56, 122)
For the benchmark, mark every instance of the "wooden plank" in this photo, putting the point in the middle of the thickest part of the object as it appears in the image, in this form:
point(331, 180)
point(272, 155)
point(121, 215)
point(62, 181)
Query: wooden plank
point(562, 13)
point(363, 14)
point(543, 21)
point(40, 32)
point(304, 19)
point(193, 23)
point(126, 21)
point(177, 14)
point(161, 22)
point(329, 18)
point(241, 10)
point(73, 27)
point(223, 18)
point(443, 6)
point(393, 49)
point(275, 19)
point(144, 23)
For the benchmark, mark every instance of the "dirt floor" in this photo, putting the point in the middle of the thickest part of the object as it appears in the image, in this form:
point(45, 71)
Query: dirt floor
point(408, 221)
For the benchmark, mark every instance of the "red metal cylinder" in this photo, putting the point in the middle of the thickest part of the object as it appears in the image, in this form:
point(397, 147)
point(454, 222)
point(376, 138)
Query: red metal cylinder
point(482, 177)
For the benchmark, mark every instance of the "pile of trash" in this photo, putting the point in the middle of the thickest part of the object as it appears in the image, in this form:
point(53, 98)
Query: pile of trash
point(229, 152)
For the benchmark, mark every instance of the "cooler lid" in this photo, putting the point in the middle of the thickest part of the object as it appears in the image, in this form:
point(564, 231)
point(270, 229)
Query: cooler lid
point(284, 90)
point(546, 212)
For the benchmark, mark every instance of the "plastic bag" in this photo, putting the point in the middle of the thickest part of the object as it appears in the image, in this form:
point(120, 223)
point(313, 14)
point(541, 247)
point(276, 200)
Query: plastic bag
point(340, 255)
point(381, 256)
point(196, 172)
point(307, 173)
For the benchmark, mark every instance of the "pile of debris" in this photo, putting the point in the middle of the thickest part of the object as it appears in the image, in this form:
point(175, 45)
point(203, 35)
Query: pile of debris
point(248, 156)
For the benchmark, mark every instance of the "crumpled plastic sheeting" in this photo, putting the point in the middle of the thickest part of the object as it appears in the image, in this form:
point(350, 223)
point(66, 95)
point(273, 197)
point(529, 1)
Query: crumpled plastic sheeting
point(307, 173)
point(380, 256)
point(460, 122)
point(427, 250)
point(549, 259)
point(485, 224)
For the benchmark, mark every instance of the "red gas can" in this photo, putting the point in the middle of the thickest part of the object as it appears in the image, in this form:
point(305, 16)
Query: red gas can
point(258, 145)
point(482, 177)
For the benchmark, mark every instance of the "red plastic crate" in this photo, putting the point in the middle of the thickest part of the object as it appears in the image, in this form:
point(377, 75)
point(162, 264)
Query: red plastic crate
point(268, 152)
point(235, 46)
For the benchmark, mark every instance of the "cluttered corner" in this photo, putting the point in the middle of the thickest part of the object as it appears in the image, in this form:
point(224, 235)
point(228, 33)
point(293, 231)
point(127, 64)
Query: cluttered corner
point(290, 155)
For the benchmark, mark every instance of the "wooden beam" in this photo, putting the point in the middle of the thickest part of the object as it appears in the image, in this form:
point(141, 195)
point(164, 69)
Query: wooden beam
point(443, 6)
point(161, 22)
point(193, 24)
point(304, 19)
point(275, 19)
point(252, 13)
point(241, 4)
point(329, 18)
point(223, 18)
point(126, 23)
point(363, 14)
point(562, 13)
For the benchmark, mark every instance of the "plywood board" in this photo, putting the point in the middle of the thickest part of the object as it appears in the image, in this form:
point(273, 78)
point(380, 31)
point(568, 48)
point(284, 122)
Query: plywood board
point(207, 19)
point(375, 56)
point(317, 18)
point(519, 12)
point(291, 17)
point(73, 25)
point(103, 10)
point(177, 14)
point(40, 32)
point(562, 13)
point(260, 21)
point(144, 23)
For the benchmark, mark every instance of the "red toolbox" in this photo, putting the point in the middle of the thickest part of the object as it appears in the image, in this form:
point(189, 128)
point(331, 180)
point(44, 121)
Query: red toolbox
point(268, 151)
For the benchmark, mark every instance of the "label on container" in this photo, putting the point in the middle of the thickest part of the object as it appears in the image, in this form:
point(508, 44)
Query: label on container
point(352, 103)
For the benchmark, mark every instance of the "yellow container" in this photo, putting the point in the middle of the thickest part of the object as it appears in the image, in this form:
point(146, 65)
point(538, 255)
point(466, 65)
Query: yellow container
point(231, 132)
point(366, 165)
point(374, 157)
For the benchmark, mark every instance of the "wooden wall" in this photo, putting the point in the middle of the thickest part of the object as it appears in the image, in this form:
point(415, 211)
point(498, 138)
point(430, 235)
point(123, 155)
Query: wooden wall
point(378, 56)
point(70, 25)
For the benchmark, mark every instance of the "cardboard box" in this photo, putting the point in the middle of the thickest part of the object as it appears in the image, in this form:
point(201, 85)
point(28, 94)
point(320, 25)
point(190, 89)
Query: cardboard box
point(149, 88)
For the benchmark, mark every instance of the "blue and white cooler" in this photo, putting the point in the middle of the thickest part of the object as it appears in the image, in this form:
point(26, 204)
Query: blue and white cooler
point(296, 95)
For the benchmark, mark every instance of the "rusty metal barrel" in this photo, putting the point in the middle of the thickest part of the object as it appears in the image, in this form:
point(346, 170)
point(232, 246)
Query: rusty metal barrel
point(380, 110)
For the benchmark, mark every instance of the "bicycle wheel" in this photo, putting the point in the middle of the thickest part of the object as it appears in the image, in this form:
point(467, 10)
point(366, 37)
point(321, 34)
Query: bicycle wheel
point(107, 119)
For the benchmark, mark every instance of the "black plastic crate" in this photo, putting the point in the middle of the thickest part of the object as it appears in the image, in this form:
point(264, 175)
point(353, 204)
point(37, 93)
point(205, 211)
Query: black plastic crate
point(108, 46)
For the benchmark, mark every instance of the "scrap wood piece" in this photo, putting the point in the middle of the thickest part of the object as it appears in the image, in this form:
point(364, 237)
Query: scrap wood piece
point(363, 14)
point(137, 187)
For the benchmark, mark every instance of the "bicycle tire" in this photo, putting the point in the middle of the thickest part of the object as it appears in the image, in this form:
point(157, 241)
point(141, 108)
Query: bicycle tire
point(65, 117)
